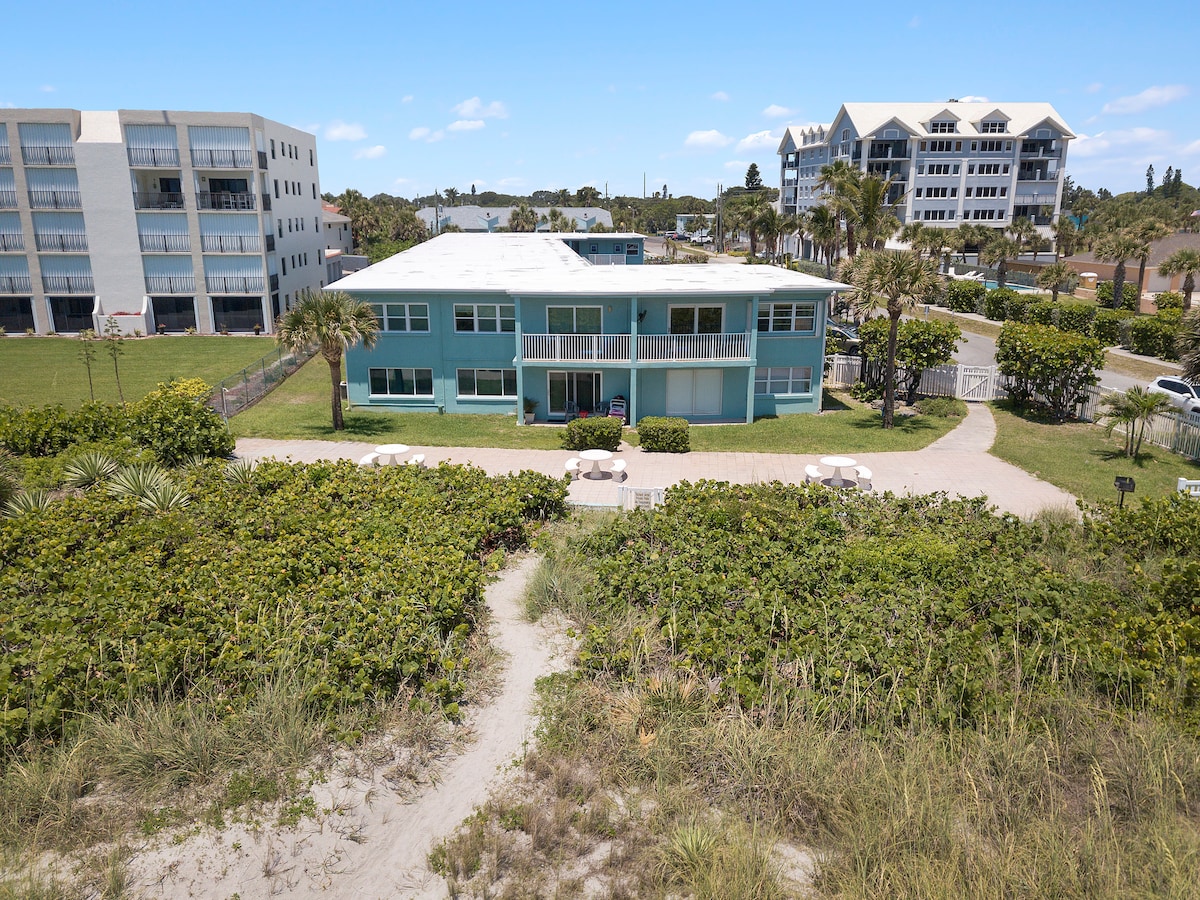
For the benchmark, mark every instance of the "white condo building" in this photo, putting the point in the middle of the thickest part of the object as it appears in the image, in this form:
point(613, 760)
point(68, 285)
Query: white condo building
point(165, 220)
point(950, 163)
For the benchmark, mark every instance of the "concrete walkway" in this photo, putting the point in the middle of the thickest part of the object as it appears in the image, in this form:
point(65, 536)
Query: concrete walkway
point(958, 463)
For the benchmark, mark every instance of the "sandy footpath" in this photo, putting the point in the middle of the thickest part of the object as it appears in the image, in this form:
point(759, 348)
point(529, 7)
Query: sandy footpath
point(371, 836)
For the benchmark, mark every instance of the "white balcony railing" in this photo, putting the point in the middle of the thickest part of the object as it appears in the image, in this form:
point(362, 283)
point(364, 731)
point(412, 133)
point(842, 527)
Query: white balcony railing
point(692, 347)
point(606, 259)
point(575, 348)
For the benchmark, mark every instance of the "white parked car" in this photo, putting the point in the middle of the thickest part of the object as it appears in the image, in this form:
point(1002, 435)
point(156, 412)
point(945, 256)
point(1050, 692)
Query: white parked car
point(1183, 395)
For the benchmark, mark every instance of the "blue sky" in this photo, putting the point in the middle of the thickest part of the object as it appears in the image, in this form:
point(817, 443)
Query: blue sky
point(406, 97)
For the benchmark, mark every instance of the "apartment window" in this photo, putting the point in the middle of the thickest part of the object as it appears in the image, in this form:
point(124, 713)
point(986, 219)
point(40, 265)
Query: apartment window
point(993, 146)
point(287, 187)
point(938, 193)
point(306, 257)
point(411, 317)
point(935, 215)
point(280, 221)
point(985, 214)
point(272, 148)
point(276, 188)
point(631, 249)
point(314, 187)
point(284, 261)
point(401, 382)
point(487, 382)
point(987, 169)
point(918, 193)
point(993, 127)
point(485, 318)
point(316, 224)
point(942, 146)
point(936, 169)
point(845, 134)
point(783, 380)
point(290, 221)
point(310, 162)
point(791, 317)
point(943, 127)
point(984, 192)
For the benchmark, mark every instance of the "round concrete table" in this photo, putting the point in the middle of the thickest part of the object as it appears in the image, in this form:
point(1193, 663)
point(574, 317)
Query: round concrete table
point(391, 453)
point(838, 463)
point(595, 457)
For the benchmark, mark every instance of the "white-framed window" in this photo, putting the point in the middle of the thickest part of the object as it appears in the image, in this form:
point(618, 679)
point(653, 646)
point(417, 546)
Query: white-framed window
point(943, 127)
point(943, 146)
point(696, 319)
point(485, 318)
point(993, 127)
point(631, 249)
point(936, 215)
point(401, 382)
point(402, 316)
point(993, 146)
point(936, 169)
point(574, 319)
point(936, 193)
point(487, 383)
point(783, 380)
point(787, 317)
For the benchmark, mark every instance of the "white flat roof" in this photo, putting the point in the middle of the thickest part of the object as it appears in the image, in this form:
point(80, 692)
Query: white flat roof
point(531, 264)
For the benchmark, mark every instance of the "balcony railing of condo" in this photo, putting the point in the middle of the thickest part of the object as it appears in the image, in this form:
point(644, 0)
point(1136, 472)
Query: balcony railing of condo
point(230, 243)
point(8, 199)
point(158, 200)
point(15, 284)
point(48, 156)
point(68, 284)
point(154, 157)
point(170, 284)
point(222, 159)
point(227, 200)
point(5, 155)
point(54, 199)
point(165, 243)
point(69, 243)
point(575, 347)
point(233, 284)
point(692, 347)
point(12, 241)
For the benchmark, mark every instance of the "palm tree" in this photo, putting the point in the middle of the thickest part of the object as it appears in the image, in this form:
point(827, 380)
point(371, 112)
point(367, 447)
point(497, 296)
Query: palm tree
point(901, 279)
point(1118, 246)
point(522, 218)
point(825, 231)
point(334, 321)
point(840, 180)
point(1066, 237)
point(1186, 263)
point(451, 196)
point(1187, 341)
point(1025, 233)
point(913, 234)
point(1147, 232)
point(587, 195)
point(562, 197)
point(997, 252)
point(1054, 277)
point(1134, 410)
point(874, 215)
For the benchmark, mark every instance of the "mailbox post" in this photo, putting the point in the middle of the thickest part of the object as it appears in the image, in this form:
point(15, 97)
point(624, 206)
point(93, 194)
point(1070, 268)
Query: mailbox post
point(1124, 485)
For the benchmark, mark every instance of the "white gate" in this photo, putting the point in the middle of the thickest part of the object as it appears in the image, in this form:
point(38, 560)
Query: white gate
point(976, 383)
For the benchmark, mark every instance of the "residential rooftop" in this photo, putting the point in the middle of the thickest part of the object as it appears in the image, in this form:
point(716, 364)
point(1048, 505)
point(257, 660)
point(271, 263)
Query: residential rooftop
point(543, 263)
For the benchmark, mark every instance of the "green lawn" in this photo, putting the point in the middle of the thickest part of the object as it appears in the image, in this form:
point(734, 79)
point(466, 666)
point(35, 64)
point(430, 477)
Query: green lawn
point(1080, 458)
point(42, 370)
point(299, 409)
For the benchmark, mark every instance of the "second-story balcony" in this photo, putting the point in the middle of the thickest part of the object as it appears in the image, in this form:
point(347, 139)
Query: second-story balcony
point(575, 348)
point(14, 241)
point(158, 200)
point(222, 159)
point(170, 284)
point(68, 284)
point(8, 199)
point(15, 284)
point(153, 157)
point(165, 243)
point(230, 243)
point(48, 156)
point(66, 243)
point(233, 284)
point(228, 200)
point(54, 200)
point(693, 347)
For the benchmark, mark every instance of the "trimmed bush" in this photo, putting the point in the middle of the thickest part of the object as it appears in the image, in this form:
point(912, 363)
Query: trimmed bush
point(1017, 308)
point(1076, 317)
point(1104, 294)
point(1106, 326)
point(1168, 300)
point(660, 434)
point(964, 296)
point(941, 407)
point(592, 433)
point(1041, 313)
point(1153, 336)
point(996, 303)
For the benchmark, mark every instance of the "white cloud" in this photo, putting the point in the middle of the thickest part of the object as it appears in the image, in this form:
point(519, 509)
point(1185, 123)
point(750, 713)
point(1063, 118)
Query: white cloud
point(721, 95)
point(418, 133)
point(1128, 139)
point(476, 108)
point(775, 111)
point(740, 164)
point(407, 98)
point(465, 125)
point(1147, 99)
point(1094, 87)
point(508, 183)
point(707, 139)
point(760, 140)
point(338, 130)
point(972, 98)
point(1193, 147)
point(371, 152)
point(47, 89)
point(400, 181)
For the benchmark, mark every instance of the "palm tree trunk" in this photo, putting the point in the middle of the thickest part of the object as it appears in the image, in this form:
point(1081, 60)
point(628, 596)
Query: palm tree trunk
point(1189, 285)
point(1002, 273)
point(1119, 285)
point(851, 245)
point(1141, 277)
point(889, 373)
point(335, 376)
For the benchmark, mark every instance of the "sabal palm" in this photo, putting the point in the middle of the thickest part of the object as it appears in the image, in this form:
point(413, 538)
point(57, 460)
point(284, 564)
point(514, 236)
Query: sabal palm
point(1146, 233)
point(334, 321)
point(900, 279)
point(1186, 263)
point(997, 252)
point(522, 218)
point(825, 231)
point(1133, 410)
point(840, 180)
point(874, 215)
point(1054, 276)
point(1066, 237)
point(1118, 247)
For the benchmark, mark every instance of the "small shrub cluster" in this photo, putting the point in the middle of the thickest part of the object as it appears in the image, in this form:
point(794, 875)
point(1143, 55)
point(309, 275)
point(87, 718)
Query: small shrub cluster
point(964, 296)
point(592, 433)
point(1155, 335)
point(1048, 366)
point(942, 407)
point(659, 434)
point(997, 302)
point(1169, 300)
point(1108, 325)
point(1129, 293)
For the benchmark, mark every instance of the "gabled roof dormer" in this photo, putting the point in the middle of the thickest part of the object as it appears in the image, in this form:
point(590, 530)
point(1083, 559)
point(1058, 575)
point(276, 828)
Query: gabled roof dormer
point(994, 122)
point(943, 122)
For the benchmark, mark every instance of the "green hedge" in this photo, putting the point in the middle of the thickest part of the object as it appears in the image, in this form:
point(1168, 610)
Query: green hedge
point(1076, 317)
point(1104, 294)
point(1153, 336)
point(1106, 327)
point(593, 433)
point(659, 434)
point(964, 296)
point(1042, 312)
point(997, 302)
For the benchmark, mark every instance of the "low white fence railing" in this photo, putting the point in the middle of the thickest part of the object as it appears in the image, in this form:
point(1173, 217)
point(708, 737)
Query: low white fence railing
point(692, 347)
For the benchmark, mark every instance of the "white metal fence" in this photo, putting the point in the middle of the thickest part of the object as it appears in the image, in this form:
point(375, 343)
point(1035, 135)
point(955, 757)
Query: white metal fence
point(981, 383)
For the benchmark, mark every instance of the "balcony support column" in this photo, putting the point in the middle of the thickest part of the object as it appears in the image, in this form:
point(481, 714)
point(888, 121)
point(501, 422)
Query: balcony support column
point(519, 362)
point(632, 411)
point(753, 351)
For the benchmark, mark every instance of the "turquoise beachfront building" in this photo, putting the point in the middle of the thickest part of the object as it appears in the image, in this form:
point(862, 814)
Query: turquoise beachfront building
point(479, 323)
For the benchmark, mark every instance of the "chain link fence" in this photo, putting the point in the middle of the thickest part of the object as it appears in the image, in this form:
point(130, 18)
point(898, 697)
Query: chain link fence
point(235, 393)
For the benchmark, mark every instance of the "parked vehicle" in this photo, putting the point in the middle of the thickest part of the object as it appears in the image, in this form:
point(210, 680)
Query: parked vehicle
point(1183, 395)
point(842, 336)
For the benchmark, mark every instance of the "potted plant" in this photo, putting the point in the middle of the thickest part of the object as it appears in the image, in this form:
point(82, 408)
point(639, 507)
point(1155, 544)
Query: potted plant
point(257, 328)
point(161, 328)
point(529, 406)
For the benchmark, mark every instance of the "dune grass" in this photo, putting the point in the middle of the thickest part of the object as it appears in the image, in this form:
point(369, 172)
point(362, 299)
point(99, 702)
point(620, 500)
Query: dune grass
point(45, 370)
point(1079, 457)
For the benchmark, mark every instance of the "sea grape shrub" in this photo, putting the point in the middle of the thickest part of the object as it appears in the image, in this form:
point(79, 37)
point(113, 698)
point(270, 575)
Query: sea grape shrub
point(664, 434)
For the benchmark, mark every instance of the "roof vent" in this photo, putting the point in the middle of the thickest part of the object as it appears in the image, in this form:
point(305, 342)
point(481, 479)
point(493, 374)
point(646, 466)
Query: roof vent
point(952, 100)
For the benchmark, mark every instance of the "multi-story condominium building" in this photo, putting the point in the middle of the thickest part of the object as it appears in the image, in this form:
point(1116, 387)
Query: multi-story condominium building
point(475, 323)
point(949, 163)
point(165, 220)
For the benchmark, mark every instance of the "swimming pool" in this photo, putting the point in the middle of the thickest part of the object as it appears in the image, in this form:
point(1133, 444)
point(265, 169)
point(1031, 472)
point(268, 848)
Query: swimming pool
point(1016, 287)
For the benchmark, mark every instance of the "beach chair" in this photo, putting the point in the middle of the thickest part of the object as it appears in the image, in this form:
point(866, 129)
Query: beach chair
point(418, 459)
point(813, 475)
point(616, 408)
point(864, 478)
point(618, 468)
point(572, 467)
